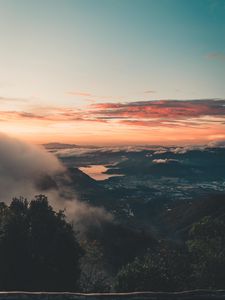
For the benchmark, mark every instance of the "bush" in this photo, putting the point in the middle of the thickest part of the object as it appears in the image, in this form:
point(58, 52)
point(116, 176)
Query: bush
point(163, 270)
point(38, 248)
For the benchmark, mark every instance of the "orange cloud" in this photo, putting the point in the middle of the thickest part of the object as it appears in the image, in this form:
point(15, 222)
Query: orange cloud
point(143, 113)
point(54, 115)
point(167, 109)
point(164, 121)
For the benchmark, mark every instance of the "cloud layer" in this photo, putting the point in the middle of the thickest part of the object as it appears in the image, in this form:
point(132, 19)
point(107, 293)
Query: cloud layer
point(199, 119)
point(162, 112)
point(140, 111)
point(23, 167)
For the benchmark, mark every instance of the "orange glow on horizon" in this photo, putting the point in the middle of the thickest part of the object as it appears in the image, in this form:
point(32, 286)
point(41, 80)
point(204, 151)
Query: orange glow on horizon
point(147, 122)
point(124, 136)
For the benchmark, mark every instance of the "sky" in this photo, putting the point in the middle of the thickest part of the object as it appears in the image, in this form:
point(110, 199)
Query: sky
point(113, 71)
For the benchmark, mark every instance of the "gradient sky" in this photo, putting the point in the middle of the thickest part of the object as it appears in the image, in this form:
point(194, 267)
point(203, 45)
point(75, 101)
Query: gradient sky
point(113, 71)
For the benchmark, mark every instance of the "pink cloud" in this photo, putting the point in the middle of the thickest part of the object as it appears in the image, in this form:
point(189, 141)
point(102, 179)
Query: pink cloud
point(169, 109)
point(166, 113)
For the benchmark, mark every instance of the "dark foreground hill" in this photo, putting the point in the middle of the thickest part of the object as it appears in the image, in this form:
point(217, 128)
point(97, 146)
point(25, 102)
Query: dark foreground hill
point(180, 219)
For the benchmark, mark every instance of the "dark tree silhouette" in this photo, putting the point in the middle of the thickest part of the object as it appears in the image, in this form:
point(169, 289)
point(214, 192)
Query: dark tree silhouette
point(38, 248)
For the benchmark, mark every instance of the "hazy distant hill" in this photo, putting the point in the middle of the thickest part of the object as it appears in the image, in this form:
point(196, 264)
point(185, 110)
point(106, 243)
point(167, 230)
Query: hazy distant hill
point(179, 220)
point(58, 146)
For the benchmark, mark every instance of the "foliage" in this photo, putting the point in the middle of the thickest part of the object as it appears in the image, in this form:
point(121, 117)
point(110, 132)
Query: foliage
point(200, 265)
point(94, 276)
point(163, 270)
point(207, 247)
point(38, 248)
point(39, 252)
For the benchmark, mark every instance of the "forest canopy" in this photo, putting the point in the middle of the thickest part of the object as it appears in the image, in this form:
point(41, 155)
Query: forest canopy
point(38, 248)
point(41, 251)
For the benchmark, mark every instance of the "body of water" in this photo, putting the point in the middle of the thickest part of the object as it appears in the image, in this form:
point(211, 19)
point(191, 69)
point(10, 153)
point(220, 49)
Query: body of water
point(97, 172)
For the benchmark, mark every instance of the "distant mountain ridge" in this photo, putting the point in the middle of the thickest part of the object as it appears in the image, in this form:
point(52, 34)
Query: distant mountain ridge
point(56, 145)
point(59, 146)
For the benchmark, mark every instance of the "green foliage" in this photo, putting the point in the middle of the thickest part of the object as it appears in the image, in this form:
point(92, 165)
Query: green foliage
point(38, 248)
point(94, 276)
point(39, 252)
point(163, 270)
point(201, 265)
point(207, 248)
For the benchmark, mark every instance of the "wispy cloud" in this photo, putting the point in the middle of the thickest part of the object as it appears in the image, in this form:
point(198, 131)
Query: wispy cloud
point(155, 113)
point(216, 56)
point(150, 113)
point(47, 114)
point(80, 94)
point(150, 92)
point(9, 99)
point(93, 97)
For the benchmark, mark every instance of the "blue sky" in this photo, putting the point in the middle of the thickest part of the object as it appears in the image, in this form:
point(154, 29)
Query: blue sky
point(112, 48)
point(72, 53)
